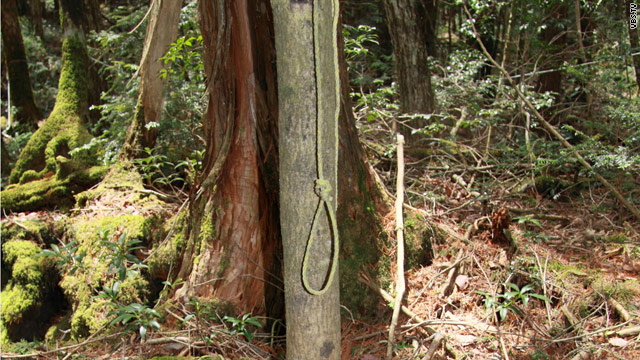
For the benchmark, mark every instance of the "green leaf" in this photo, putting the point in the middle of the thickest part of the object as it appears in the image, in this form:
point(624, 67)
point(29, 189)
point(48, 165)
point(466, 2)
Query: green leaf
point(143, 331)
point(254, 322)
point(503, 313)
point(124, 318)
point(540, 297)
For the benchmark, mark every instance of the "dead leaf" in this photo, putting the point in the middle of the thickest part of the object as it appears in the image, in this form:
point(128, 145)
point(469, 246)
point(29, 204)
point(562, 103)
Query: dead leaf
point(464, 340)
point(619, 342)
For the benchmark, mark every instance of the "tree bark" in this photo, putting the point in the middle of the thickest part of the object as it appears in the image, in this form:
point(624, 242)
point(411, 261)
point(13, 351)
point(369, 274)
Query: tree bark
point(162, 30)
point(232, 249)
point(411, 66)
point(307, 88)
point(234, 231)
point(17, 69)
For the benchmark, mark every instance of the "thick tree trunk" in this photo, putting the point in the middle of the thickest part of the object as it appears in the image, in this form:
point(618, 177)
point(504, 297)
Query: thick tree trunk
point(162, 30)
point(17, 69)
point(308, 137)
point(411, 66)
point(233, 236)
point(232, 249)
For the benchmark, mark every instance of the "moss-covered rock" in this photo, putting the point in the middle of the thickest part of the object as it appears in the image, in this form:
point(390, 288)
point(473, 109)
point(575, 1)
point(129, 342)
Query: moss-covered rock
point(28, 299)
point(64, 130)
point(50, 192)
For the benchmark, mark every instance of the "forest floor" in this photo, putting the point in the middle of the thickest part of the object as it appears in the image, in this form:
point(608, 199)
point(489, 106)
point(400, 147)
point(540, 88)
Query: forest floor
point(499, 256)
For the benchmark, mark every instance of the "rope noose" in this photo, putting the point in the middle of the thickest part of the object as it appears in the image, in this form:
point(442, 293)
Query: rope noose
point(322, 186)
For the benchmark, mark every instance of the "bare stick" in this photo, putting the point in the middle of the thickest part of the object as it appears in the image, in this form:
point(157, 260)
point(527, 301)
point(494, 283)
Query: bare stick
point(400, 283)
point(551, 128)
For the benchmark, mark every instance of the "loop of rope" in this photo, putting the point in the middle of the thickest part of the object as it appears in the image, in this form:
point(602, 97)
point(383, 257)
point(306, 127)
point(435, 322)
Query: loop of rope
point(322, 186)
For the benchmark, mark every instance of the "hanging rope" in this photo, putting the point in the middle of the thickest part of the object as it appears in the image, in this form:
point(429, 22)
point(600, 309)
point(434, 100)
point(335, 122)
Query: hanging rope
point(322, 186)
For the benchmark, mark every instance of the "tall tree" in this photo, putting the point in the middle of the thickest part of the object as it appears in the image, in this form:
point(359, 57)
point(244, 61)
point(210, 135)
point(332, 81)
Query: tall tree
point(309, 89)
point(162, 29)
point(64, 129)
point(409, 39)
point(18, 72)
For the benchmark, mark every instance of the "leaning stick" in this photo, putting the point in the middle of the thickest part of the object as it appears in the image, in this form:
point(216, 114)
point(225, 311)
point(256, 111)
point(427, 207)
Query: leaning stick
point(400, 282)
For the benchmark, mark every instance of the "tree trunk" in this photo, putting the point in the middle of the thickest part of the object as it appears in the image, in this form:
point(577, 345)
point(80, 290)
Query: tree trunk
point(554, 36)
point(64, 129)
point(17, 69)
point(234, 231)
point(36, 9)
point(431, 10)
point(232, 250)
point(633, 41)
point(164, 18)
point(411, 66)
point(309, 107)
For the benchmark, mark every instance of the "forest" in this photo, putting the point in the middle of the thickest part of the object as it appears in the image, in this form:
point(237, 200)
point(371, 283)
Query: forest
point(320, 179)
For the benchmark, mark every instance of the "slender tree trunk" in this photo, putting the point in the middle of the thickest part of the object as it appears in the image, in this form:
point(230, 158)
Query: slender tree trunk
point(431, 9)
point(36, 10)
point(554, 35)
point(162, 30)
point(411, 67)
point(17, 69)
point(633, 41)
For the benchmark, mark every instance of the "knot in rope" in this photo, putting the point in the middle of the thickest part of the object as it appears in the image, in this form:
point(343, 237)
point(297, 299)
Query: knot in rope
point(322, 186)
point(323, 189)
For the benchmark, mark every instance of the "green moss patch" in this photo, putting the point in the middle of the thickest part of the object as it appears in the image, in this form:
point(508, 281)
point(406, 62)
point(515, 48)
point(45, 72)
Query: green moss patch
point(419, 237)
point(30, 296)
point(50, 192)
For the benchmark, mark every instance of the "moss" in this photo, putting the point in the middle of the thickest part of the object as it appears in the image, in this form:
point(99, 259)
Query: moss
point(357, 254)
point(50, 192)
point(64, 129)
point(624, 292)
point(22, 310)
point(617, 238)
point(29, 175)
point(89, 316)
point(58, 330)
point(419, 237)
point(169, 251)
